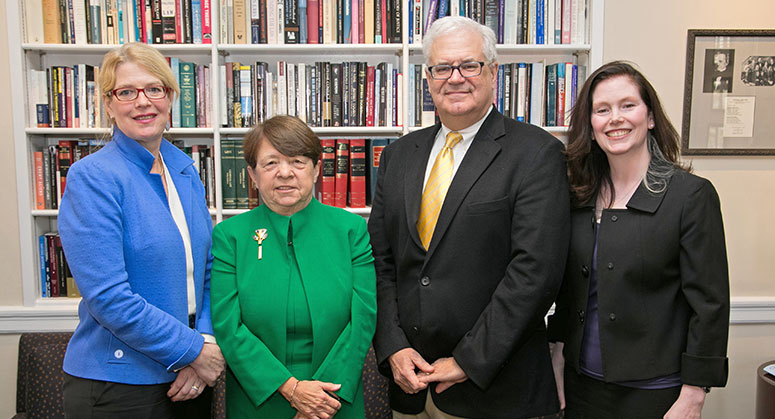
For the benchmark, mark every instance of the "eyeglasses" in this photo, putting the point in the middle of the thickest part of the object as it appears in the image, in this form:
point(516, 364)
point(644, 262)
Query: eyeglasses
point(128, 94)
point(444, 71)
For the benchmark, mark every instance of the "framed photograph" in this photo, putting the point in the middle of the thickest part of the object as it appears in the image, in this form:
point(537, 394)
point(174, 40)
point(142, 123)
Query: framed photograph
point(729, 93)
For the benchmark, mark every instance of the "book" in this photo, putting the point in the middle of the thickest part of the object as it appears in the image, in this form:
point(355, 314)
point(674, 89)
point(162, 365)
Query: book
point(45, 275)
point(240, 175)
point(342, 172)
point(187, 95)
point(336, 95)
point(228, 185)
point(196, 21)
point(428, 108)
point(291, 24)
point(357, 173)
point(313, 8)
point(536, 92)
point(375, 147)
point(40, 198)
point(327, 182)
point(551, 96)
point(207, 28)
point(560, 117)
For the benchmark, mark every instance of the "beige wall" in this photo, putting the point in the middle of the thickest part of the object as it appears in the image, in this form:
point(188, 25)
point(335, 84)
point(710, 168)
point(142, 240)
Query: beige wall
point(652, 34)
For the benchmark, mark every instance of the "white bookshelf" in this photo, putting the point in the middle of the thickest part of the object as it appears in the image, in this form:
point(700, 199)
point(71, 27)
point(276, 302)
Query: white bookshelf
point(22, 56)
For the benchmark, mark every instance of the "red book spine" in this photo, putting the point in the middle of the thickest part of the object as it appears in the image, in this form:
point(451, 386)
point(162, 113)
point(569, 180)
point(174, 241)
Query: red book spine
point(342, 172)
point(358, 173)
point(313, 8)
point(40, 197)
point(65, 159)
point(361, 35)
point(178, 30)
point(328, 171)
point(52, 264)
point(370, 96)
point(383, 19)
point(207, 28)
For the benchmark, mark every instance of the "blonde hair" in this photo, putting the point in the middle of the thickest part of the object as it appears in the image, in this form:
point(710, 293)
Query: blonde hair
point(146, 57)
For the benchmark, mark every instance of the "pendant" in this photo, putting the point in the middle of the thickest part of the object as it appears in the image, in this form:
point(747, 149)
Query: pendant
point(259, 236)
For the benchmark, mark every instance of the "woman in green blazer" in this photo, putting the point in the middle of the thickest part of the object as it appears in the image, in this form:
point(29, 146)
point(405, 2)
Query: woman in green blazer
point(292, 288)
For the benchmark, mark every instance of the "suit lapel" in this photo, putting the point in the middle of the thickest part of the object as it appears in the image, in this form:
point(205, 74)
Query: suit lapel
point(413, 179)
point(478, 157)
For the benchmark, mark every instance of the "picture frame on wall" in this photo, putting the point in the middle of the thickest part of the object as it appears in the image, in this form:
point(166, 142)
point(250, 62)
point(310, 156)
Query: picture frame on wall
point(729, 93)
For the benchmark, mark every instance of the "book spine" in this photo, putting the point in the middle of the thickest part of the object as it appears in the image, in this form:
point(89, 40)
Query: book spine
point(328, 172)
point(40, 198)
point(551, 96)
point(207, 27)
point(336, 95)
point(52, 32)
point(428, 109)
point(376, 146)
point(522, 94)
point(342, 172)
point(560, 117)
point(45, 285)
point(196, 21)
point(168, 21)
point(357, 173)
point(52, 265)
point(312, 21)
point(370, 70)
point(61, 268)
point(228, 186)
point(187, 95)
point(291, 25)
point(240, 177)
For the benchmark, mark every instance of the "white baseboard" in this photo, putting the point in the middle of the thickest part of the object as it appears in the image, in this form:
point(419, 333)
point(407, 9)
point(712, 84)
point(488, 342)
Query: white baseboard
point(64, 318)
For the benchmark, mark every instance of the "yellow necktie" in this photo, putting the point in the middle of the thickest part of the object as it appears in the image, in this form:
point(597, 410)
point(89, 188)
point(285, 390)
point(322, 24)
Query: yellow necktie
point(436, 189)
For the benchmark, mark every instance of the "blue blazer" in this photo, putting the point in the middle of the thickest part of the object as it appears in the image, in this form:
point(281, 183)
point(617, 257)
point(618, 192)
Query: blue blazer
point(127, 257)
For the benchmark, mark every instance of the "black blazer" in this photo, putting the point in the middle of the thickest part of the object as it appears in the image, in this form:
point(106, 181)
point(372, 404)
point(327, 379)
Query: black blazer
point(491, 272)
point(663, 285)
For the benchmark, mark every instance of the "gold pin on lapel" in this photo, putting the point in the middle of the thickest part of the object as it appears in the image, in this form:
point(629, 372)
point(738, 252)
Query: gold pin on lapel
point(259, 237)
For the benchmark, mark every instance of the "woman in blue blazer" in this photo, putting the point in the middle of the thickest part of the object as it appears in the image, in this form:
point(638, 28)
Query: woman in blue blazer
point(136, 233)
point(643, 312)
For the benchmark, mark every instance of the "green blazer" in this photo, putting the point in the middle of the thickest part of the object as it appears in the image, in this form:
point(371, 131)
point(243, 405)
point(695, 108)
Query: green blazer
point(249, 302)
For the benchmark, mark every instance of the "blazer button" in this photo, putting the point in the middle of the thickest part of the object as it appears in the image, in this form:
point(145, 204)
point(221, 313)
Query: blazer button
point(584, 271)
point(425, 281)
point(118, 354)
point(415, 328)
point(612, 316)
point(581, 316)
point(610, 265)
point(614, 218)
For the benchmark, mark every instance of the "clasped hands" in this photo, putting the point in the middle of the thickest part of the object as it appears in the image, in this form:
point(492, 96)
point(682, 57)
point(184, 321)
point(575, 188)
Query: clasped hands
point(205, 370)
point(312, 399)
point(412, 373)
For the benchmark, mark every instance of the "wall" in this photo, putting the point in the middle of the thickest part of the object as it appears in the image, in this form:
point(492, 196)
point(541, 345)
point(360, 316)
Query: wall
point(653, 35)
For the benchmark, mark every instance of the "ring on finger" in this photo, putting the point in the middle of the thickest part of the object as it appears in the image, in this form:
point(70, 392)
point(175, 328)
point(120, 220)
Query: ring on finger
point(195, 388)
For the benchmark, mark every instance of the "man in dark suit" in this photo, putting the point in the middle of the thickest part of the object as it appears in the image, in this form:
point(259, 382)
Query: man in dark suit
point(470, 230)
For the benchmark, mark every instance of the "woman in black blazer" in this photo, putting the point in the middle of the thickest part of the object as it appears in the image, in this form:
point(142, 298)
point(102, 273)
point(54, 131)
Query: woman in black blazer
point(642, 318)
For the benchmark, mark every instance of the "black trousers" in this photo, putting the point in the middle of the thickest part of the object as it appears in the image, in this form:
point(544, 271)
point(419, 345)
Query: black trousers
point(587, 398)
point(94, 399)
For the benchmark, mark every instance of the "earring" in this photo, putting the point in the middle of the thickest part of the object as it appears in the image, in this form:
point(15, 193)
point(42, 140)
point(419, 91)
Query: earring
point(167, 128)
point(651, 125)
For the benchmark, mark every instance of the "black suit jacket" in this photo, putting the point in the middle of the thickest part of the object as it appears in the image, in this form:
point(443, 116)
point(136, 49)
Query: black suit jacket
point(663, 285)
point(493, 268)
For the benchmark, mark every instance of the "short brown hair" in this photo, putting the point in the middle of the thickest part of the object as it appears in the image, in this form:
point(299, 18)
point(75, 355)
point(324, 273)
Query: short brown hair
point(145, 56)
point(288, 134)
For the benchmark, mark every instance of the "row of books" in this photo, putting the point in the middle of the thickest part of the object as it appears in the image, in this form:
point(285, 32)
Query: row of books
point(348, 171)
point(321, 94)
point(204, 163)
point(56, 280)
point(50, 167)
point(541, 22)
point(310, 21)
point(69, 97)
point(118, 21)
point(536, 93)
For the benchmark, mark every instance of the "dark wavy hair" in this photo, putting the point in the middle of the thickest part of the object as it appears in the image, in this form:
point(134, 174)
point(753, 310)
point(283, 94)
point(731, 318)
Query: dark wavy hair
point(588, 168)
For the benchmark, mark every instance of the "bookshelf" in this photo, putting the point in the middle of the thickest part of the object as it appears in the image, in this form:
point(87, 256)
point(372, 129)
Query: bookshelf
point(27, 138)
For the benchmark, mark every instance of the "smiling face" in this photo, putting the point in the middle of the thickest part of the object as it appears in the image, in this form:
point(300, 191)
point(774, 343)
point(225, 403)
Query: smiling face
point(141, 119)
point(620, 119)
point(284, 183)
point(461, 101)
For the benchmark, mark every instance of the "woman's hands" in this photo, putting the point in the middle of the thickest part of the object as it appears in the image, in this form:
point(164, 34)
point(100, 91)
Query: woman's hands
point(209, 364)
point(689, 404)
point(312, 399)
point(558, 365)
point(186, 386)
